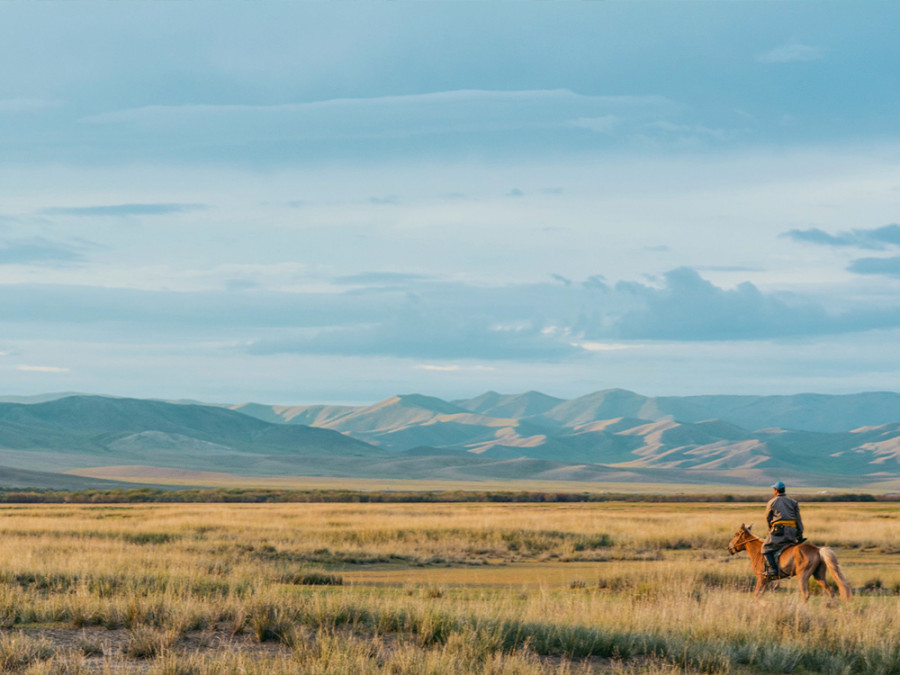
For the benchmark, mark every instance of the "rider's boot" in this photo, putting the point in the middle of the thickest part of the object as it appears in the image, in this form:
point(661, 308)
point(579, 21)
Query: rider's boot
point(772, 565)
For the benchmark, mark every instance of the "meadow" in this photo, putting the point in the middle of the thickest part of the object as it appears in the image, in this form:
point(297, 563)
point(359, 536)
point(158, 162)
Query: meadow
point(432, 588)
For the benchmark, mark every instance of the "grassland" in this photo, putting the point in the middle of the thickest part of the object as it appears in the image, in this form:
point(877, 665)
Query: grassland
point(159, 476)
point(431, 588)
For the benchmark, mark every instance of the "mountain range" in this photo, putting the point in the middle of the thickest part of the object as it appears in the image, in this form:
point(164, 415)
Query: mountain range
point(611, 435)
point(805, 436)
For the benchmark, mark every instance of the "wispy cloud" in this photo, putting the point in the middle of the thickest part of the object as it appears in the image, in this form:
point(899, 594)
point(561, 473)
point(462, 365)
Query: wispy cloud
point(124, 210)
point(688, 130)
point(603, 124)
point(886, 266)
point(433, 320)
point(384, 117)
point(792, 52)
point(453, 368)
point(388, 200)
point(379, 278)
point(42, 369)
point(37, 251)
point(450, 101)
point(877, 238)
point(427, 335)
point(604, 346)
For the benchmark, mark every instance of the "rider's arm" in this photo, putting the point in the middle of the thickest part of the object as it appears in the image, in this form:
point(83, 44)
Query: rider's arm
point(769, 515)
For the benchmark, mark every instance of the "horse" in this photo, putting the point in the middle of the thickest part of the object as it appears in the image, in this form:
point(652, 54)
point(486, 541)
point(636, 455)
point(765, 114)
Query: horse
point(802, 560)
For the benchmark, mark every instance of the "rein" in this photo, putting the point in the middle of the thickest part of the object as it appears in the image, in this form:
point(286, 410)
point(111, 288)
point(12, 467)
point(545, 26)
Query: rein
point(742, 542)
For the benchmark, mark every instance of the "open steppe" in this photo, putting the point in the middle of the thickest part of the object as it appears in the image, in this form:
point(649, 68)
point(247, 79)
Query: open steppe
point(431, 588)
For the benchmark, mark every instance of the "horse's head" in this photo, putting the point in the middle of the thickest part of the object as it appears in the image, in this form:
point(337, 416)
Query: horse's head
point(741, 537)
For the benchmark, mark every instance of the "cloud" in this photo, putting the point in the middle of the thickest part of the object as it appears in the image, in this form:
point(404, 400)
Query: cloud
point(445, 115)
point(596, 282)
point(602, 125)
point(37, 251)
point(42, 369)
point(816, 236)
point(241, 284)
point(421, 318)
point(696, 130)
point(379, 278)
point(792, 52)
point(604, 346)
point(162, 311)
point(885, 266)
point(727, 268)
point(124, 210)
point(427, 335)
point(689, 308)
point(877, 238)
point(389, 200)
point(444, 105)
point(454, 368)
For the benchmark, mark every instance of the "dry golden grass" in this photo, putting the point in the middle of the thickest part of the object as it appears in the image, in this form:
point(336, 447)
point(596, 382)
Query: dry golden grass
point(440, 588)
point(190, 478)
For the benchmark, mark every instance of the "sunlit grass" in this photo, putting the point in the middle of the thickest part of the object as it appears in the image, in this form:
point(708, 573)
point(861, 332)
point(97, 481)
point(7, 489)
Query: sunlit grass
point(453, 588)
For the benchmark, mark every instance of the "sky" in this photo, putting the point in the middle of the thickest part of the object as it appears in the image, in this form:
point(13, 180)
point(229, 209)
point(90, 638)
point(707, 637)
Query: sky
point(338, 202)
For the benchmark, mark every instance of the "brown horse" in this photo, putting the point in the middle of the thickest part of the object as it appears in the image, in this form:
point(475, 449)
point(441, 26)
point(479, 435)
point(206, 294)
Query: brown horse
point(803, 561)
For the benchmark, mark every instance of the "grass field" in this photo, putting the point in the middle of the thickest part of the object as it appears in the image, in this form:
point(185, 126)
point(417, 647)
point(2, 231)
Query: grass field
point(431, 588)
point(211, 479)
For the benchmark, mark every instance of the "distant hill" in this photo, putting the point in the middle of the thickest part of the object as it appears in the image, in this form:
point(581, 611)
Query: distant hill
point(40, 398)
point(515, 405)
point(757, 436)
point(84, 431)
point(806, 412)
point(310, 415)
point(13, 479)
point(609, 435)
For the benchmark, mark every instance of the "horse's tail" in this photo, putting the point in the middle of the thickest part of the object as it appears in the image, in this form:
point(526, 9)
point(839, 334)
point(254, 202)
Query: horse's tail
point(831, 562)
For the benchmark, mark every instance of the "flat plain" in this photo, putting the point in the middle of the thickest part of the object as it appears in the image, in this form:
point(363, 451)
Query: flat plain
point(432, 588)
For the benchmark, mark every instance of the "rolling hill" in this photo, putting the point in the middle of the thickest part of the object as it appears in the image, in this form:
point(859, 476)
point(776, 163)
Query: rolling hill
point(84, 431)
point(613, 435)
point(728, 436)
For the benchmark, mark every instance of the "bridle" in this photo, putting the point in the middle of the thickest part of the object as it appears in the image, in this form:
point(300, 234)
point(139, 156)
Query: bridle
point(741, 542)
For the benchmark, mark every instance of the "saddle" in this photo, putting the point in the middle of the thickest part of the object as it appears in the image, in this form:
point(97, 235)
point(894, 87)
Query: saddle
point(787, 546)
point(781, 573)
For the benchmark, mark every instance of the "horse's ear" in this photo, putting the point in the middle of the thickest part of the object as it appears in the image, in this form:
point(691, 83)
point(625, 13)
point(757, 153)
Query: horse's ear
point(749, 527)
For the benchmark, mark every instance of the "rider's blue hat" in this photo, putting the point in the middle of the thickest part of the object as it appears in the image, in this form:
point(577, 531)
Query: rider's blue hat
point(778, 486)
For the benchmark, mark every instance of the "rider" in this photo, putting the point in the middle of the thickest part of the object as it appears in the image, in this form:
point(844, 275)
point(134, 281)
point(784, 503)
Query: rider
point(785, 527)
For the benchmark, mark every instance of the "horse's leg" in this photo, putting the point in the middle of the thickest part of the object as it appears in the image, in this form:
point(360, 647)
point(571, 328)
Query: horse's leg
point(761, 583)
point(803, 576)
point(819, 575)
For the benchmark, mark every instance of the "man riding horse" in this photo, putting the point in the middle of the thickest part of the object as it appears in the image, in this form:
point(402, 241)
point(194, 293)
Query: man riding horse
point(785, 528)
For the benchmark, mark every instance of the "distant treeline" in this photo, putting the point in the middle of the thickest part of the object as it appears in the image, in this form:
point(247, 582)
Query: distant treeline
point(259, 496)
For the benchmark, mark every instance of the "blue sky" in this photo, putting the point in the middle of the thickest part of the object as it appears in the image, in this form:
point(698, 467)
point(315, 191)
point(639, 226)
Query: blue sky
point(311, 202)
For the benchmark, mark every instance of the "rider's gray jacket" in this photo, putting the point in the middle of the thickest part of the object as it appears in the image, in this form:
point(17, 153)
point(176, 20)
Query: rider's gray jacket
point(785, 525)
